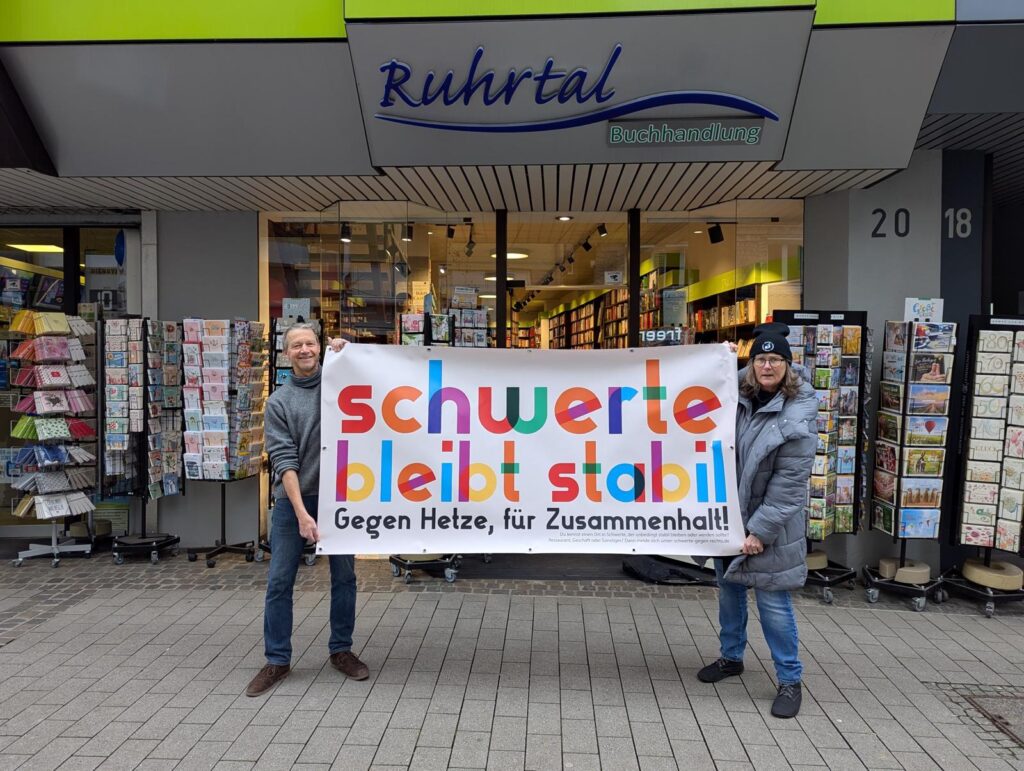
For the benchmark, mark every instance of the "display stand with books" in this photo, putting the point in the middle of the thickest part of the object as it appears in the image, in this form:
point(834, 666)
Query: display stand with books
point(223, 393)
point(142, 362)
point(910, 452)
point(831, 346)
point(57, 410)
point(991, 493)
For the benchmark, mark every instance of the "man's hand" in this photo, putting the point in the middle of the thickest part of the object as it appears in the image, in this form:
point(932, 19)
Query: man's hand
point(752, 545)
point(308, 528)
point(336, 343)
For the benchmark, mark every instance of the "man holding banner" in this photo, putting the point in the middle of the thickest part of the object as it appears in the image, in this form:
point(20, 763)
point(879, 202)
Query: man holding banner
point(292, 427)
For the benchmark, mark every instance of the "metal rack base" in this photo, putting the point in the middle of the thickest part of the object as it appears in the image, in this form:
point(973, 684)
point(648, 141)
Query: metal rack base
point(961, 587)
point(919, 593)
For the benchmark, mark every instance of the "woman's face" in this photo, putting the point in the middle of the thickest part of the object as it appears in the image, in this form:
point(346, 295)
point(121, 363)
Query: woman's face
point(770, 370)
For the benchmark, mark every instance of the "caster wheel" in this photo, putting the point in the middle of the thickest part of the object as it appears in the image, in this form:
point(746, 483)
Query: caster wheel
point(456, 564)
point(17, 563)
point(395, 570)
point(919, 604)
point(310, 559)
point(990, 609)
point(216, 542)
point(450, 574)
point(118, 559)
point(249, 556)
point(191, 557)
point(872, 595)
point(851, 584)
point(487, 559)
point(826, 595)
point(408, 577)
point(210, 563)
point(941, 595)
point(175, 552)
point(154, 557)
point(260, 555)
point(55, 563)
point(88, 555)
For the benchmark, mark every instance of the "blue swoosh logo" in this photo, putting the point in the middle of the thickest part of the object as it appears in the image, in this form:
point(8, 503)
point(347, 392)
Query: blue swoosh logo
point(716, 98)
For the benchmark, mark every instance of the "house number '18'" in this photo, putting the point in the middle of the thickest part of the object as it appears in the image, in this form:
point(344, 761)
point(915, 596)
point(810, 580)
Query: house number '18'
point(900, 223)
point(958, 223)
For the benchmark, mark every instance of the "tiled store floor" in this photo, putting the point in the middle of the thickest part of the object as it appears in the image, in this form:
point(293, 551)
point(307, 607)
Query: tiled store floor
point(142, 666)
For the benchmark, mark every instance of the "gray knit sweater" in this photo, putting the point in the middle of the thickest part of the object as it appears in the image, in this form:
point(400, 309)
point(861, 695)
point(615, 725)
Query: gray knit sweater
point(292, 426)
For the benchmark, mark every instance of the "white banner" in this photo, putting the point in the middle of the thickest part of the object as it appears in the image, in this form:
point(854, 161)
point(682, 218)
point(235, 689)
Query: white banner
point(452, 450)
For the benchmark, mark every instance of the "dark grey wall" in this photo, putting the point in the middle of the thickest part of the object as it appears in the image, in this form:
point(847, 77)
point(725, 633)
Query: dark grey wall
point(209, 267)
point(1007, 262)
point(827, 251)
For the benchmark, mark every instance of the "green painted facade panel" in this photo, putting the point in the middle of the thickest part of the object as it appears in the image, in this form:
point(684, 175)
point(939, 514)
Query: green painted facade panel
point(839, 12)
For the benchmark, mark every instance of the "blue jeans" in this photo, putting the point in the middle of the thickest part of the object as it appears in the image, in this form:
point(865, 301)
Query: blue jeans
point(286, 546)
point(777, 621)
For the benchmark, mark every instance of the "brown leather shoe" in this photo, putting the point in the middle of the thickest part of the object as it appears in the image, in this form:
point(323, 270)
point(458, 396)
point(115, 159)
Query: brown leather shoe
point(267, 678)
point(349, 665)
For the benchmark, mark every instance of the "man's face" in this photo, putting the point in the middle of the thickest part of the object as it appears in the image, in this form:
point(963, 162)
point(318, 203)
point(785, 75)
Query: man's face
point(303, 352)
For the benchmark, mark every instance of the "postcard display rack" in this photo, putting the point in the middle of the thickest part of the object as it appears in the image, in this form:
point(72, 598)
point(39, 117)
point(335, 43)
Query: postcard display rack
point(831, 346)
point(992, 448)
point(141, 422)
point(57, 417)
point(910, 452)
point(224, 377)
point(458, 327)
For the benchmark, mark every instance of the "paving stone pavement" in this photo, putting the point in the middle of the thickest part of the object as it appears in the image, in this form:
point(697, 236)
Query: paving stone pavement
point(144, 666)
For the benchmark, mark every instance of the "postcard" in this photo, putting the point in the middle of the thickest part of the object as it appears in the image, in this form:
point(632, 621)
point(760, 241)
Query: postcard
point(921, 492)
point(1014, 447)
point(1015, 412)
point(984, 449)
point(889, 426)
point(845, 486)
point(884, 487)
point(851, 337)
point(846, 460)
point(973, 535)
point(1011, 504)
point(1008, 536)
point(847, 431)
point(1018, 347)
point(983, 471)
point(991, 407)
point(848, 400)
point(923, 431)
point(980, 492)
point(919, 523)
point(928, 399)
point(823, 356)
point(882, 516)
point(995, 341)
point(992, 363)
point(895, 336)
point(826, 422)
point(844, 518)
point(823, 378)
point(1013, 473)
point(931, 367)
point(991, 385)
point(986, 428)
point(894, 366)
point(887, 456)
point(850, 375)
point(1017, 379)
point(979, 514)
point(934, 336)
point(920, 462)
point(890, 396)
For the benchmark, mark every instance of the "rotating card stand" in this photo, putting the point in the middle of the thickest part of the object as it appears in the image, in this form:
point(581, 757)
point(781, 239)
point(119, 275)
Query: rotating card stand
point(913, 503)
point(221, 546)
point(992, 341)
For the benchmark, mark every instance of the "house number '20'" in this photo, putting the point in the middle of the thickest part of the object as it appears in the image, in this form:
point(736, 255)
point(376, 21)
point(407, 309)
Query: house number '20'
point(900, 223)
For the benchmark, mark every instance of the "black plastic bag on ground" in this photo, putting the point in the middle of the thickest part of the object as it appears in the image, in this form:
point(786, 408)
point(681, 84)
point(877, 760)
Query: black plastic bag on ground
point(656, 570)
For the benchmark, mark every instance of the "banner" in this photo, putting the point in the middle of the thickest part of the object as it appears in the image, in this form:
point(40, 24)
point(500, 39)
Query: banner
point(451, 450)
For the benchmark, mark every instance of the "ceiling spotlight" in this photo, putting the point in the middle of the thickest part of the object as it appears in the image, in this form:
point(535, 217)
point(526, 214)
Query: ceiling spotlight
point(511, 255)
point(715, 234)
point(697, 232)
point(407, 235)
point(469, 249)
point(602, 230)
point(570, 259)
point(563, 218)
point(442, 270)
point(451, 231)
point(561, 268)
point(346, 233)
point(430, 232)
point(471, 244)
point(586, 245)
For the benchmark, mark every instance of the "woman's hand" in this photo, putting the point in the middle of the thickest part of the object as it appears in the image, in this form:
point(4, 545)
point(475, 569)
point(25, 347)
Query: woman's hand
point(752, 545)
point(730, 345)
point(336, 343)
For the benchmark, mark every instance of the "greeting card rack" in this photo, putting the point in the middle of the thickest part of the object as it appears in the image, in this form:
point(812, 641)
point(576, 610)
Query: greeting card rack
point(831, 346)
point(910, 453)
point(991, 483)
point(59, 473)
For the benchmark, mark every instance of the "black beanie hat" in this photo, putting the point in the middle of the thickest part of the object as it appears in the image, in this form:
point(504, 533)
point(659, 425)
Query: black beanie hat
point(771, 338)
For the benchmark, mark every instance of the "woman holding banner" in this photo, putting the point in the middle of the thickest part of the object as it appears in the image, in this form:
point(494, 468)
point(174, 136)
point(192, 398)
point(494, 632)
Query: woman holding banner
point(776, 438)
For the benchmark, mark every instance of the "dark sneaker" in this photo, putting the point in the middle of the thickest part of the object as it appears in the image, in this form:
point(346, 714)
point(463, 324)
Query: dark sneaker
point(720, 670)
point(349, 665)
point(267, 678)
point(787, 701)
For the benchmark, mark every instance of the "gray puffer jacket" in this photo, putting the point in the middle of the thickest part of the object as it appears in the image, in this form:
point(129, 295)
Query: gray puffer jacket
point(775, 449)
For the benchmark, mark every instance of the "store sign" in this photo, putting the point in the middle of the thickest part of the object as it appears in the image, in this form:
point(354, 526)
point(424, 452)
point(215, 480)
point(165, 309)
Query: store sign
point(700, 131)
point(546, 84)
point(566, 90)
point(452, 450)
